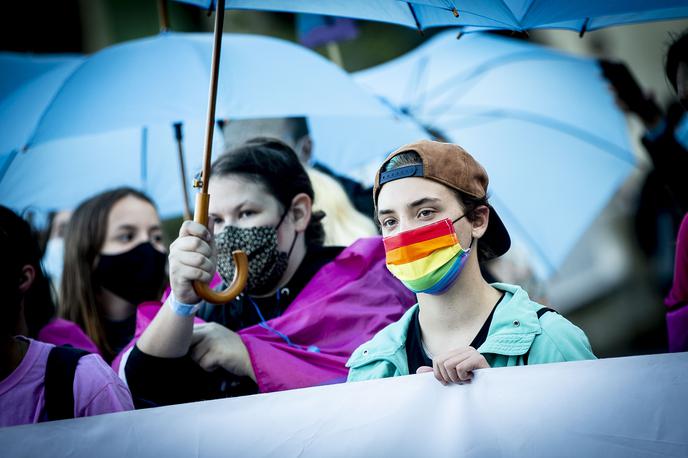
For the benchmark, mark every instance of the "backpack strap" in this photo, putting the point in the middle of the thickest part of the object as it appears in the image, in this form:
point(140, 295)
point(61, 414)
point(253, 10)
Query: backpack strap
point(544, 310)
point(539, 313)
point(59, 381)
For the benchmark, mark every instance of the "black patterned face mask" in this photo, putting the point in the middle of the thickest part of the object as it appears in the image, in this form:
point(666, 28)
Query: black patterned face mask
point(266, 264)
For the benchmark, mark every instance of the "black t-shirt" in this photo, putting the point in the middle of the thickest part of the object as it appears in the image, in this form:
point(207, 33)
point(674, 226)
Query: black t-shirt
point(119, 333)
point(415, 354)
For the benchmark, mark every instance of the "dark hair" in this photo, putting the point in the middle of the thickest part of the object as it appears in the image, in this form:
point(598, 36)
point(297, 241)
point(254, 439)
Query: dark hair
point(84, 239)
point(468, 202)
point(19, 247)
point(274, 165)
point(677, 53)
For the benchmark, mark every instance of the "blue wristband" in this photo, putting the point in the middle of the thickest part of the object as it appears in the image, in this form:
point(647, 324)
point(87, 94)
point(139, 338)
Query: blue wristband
point(181, 309)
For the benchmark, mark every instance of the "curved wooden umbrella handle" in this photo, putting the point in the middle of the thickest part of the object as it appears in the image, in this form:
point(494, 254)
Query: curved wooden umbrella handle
point(240, 261)
point(238, 284)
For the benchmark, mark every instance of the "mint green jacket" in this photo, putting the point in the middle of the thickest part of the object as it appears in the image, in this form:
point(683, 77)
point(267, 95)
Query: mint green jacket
point(514, 332)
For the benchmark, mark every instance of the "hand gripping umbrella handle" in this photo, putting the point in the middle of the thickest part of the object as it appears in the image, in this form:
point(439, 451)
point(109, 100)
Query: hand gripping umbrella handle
point(240, 261)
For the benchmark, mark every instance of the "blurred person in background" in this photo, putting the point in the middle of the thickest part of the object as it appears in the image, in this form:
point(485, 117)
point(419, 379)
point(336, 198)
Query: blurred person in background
point(432, 205)
point(305, 306)
point(38, 381)
point(53, 247)
point(665, 194)
point(115, 260)
point(343, 224)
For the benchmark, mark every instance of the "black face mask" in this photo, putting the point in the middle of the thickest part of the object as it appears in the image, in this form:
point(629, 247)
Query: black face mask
point(136, 275)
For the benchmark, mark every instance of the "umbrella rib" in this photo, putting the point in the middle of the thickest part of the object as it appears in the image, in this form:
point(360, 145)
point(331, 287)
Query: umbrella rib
point(487, 66)
point(527, 12)
point(511, 13)
point(568, 129)
point(415, 18)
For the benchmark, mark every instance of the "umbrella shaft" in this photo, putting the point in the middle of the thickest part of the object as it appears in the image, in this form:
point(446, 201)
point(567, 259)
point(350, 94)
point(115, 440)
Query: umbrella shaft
point(212, 95)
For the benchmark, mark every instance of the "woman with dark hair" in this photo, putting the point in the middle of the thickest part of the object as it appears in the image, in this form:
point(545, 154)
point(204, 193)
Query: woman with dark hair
point(25, 390)
point(432, 205)
point(305, 306)
point(115, 260)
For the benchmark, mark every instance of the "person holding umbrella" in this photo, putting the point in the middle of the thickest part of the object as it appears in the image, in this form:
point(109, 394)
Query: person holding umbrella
point(432, 205)
point(303, 311)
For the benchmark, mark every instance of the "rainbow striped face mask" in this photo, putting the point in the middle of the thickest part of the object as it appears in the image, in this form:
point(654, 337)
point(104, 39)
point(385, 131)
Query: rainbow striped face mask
point(427, 259)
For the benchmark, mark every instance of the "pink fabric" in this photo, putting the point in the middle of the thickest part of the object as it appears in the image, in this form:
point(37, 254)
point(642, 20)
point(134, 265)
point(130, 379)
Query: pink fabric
point(65, 332)
point(677, 299)
point(97, 389)
point(343, 306)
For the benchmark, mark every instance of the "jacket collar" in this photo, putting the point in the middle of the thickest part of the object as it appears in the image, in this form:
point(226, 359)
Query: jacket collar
point(512, 331)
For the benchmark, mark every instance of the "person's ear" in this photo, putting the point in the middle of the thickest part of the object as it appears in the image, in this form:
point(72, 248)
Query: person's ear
point(481, 216)
point(28, 275)
point(301, 210)
point(304, 149)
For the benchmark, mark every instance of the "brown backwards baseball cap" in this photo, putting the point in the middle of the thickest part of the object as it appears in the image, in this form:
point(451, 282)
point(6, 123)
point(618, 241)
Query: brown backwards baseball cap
point(452, 166)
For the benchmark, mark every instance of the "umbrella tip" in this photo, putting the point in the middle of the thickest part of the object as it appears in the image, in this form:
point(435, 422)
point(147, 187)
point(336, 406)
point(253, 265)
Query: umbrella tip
point(455, 12)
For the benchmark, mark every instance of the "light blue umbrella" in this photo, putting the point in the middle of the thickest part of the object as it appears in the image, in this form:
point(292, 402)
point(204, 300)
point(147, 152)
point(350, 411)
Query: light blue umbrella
point(579, 15)
point(23, 67)
point(114, 111)
point(543, 124)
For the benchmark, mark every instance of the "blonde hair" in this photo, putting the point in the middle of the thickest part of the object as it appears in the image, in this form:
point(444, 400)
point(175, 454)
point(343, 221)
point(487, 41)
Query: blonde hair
point(343, 223)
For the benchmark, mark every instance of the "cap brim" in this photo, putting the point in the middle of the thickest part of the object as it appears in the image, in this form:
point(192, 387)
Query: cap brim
point(496, 238)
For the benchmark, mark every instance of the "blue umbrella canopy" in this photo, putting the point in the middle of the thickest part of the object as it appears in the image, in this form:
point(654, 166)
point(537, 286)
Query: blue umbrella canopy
point(163, 79)
point(106, 119)
point(25, 67)
point(543, 124)
point(579, 15)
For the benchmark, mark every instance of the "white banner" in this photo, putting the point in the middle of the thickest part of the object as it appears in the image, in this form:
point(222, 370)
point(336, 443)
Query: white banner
point(622, 407)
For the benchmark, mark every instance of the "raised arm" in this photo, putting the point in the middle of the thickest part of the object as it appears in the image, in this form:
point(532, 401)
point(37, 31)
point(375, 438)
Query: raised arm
point(191, 258)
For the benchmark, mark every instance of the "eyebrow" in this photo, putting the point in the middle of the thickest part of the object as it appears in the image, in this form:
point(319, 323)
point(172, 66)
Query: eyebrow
point(424, 201)
point(130, 227)
point(414, 204)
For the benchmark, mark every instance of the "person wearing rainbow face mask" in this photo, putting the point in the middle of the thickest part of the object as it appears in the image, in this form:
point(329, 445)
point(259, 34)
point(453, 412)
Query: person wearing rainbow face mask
point(431, 202)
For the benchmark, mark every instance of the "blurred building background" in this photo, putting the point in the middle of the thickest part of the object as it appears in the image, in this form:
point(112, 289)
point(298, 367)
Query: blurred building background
point(608, 286)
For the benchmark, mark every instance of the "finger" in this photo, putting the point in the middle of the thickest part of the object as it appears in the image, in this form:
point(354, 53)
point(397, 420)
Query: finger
point(443, 372)
point(424, 369)
point(208, 362)
point(451, 372)
point(192, 244)
point(182, 275)
point(198, 350)
point(457, 359)
point(195, 229)
point(193, 260)
point(436, 371)
point(465, 371)
point(466, 368)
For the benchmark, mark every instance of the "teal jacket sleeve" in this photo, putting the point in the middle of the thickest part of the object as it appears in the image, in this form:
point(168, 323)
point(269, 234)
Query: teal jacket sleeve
point(559, 341)
point(371, 371)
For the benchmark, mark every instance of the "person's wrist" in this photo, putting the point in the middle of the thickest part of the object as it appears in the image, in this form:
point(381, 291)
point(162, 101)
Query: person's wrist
point(183, 308)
